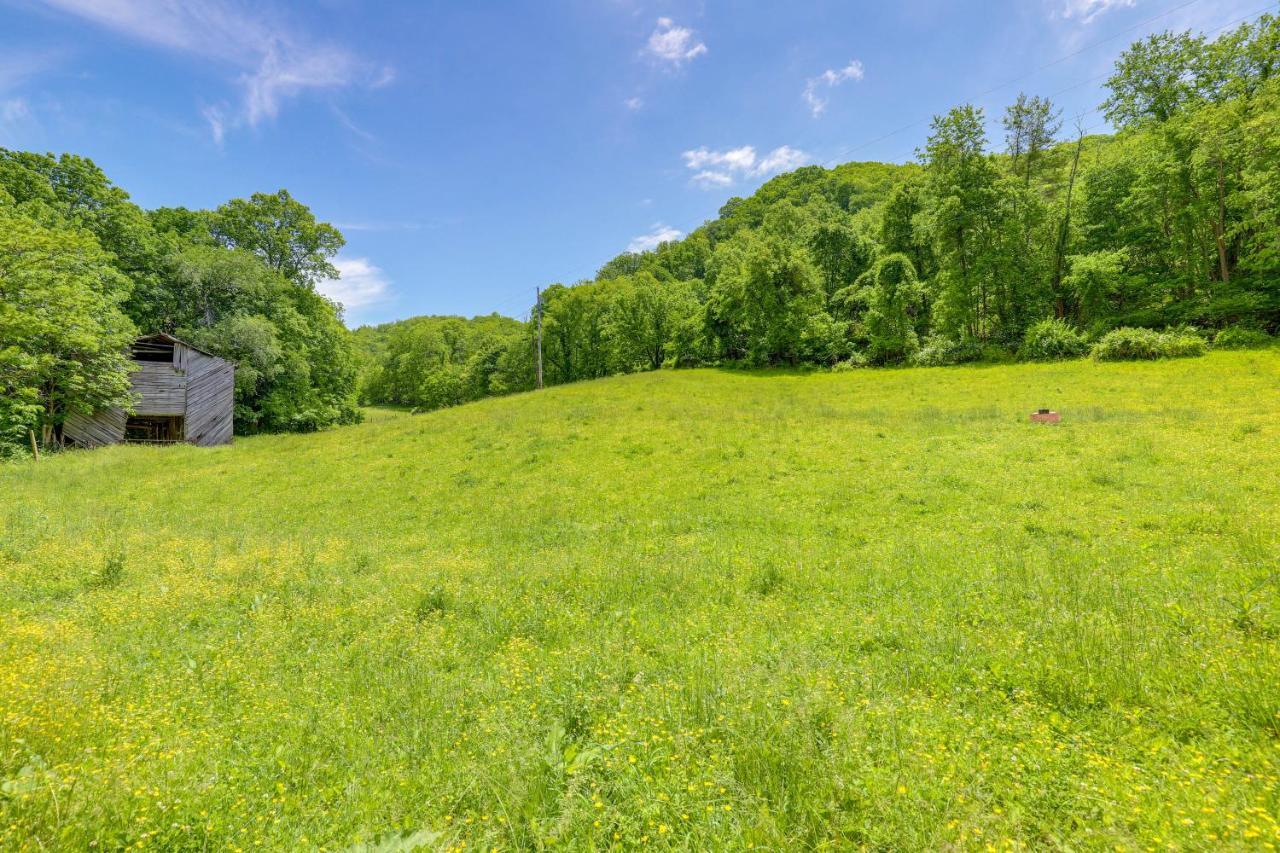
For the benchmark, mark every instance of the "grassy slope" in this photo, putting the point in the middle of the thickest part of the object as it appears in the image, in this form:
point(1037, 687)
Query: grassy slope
point(700, 608)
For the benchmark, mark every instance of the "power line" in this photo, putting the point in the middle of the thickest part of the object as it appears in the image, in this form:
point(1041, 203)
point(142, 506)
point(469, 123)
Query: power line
point(518, 297)
point(1059, 60)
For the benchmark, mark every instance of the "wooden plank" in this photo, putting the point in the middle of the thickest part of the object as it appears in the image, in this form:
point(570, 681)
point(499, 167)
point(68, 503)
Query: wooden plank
point(211, 406)
point(96, 430)
point(158, 389)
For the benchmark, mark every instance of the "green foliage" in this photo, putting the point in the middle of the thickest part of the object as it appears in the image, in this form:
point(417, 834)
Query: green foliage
point(433, 362)
point(1053, 340)
point(238, 282)
point(893, 308)
point(1130, 344)
point(282, 232)
point(763, 289)
point(63, 337)
point(1096, 284)
point(1173, 221)
point(941, 351)
point(1240, 337)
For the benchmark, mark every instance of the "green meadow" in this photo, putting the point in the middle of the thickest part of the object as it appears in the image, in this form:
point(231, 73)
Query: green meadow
point(687, 609)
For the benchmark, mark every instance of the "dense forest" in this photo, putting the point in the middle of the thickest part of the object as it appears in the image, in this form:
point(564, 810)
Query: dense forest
point(1146, 243)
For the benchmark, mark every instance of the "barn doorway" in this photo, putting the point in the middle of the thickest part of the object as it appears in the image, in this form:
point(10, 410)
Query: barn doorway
point(155, 429)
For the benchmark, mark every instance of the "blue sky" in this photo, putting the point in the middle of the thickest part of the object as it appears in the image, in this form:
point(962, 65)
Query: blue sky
point(471, 151)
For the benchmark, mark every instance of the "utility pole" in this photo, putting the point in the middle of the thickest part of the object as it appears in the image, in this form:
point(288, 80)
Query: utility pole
point(539, 292)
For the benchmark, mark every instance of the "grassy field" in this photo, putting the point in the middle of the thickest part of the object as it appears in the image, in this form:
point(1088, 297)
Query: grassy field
point(689, 609)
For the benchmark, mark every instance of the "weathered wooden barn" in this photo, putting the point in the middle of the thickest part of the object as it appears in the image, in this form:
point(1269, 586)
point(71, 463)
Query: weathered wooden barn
point(181, 394)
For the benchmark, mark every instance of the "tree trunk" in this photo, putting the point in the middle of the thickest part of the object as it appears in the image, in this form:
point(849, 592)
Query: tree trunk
point(1220, 225)
point(1064, 230)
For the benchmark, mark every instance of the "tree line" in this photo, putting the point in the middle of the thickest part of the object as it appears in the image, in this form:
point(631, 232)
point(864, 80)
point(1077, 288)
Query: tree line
point(1040, 244)
point(1037, 249)
point(83, 271)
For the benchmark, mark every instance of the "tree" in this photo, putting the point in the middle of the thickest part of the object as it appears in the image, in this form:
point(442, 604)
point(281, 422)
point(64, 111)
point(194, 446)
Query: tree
point(1154, 79)
point(643, 317)
point(281, 231)
point(763, 289)
point(839, 252)
point(63, 337)
point(1096, 284)
point(298, 365)
point(901, 231)
point(1030, 126)
point(893, 310)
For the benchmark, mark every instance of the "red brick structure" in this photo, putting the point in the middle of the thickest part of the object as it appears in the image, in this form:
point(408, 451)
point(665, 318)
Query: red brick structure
point(1044, 416)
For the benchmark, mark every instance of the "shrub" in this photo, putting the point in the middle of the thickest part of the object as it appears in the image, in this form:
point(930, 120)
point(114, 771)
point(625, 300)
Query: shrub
point(1130, 344)
point(1239, 337)
point(1052, 340)
point(853, 362)
point(939, 351)
point(996, 354)
point(1182, 345)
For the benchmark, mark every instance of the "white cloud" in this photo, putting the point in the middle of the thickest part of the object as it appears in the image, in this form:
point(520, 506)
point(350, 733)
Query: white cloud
point(658, 234)
point(722, 168)
point(274, 63)
point(816, 88)
point(633, 104)
point(709, 178)
point(359, 283)
point(782, 159)
point(674, 45)
point(217, 123)
point(13, 110)
point(1086, 11)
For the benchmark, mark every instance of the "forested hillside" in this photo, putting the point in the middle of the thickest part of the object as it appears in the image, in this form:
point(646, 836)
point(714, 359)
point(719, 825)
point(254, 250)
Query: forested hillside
point(83, 270)
point(1036, 245)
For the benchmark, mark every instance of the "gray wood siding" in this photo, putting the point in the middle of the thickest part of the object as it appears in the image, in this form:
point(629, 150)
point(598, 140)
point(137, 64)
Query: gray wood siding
point(158, 389)
point(196, 386)
point(105, 427)
point(211, 405)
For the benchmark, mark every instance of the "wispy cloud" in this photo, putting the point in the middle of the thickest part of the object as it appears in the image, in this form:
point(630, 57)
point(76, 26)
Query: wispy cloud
point(18, 66)
point(378, 226)
point(274, 63)
point(14, 113)
point(658, 234)
point(13, 109)
point(1086, 11)
point(217, 122)
point(359, 283)
point(723, 168)
point(633, 104)
point(816, 90)
point(674, 45)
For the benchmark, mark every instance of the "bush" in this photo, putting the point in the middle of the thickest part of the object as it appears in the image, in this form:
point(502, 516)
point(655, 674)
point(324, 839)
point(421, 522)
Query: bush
point(853, 362)
point(1129, 344)
point(1052, 340)
point(1238, 337)
point(939, 351)
point(1182, 345)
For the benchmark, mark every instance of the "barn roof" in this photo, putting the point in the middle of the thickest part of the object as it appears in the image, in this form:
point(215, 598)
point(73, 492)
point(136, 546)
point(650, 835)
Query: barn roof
point(166, 338)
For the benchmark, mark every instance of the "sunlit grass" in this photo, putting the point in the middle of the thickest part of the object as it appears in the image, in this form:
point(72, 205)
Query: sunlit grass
point(700, 609)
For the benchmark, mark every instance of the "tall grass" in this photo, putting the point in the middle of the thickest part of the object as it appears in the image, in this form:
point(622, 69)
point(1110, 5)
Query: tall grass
point(688, 609)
